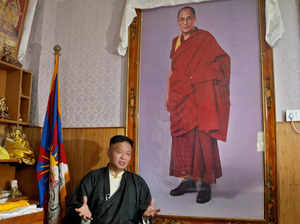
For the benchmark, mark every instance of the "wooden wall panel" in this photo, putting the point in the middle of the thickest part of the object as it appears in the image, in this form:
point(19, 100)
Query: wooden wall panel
point(85, 150)
point(288, 163)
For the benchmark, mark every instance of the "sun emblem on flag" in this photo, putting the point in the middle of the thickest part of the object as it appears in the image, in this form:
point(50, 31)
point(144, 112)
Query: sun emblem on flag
point(45, 165)
point(53, 163)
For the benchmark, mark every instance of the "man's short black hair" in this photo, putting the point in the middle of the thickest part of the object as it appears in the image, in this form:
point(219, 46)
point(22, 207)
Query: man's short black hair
point(120, 138)
point(187, 7)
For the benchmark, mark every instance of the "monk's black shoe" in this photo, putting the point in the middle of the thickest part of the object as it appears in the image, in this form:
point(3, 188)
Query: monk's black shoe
point(186, 186)
point(204, 194)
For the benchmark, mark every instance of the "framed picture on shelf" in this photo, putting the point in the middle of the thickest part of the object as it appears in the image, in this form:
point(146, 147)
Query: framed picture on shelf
point(202, 112)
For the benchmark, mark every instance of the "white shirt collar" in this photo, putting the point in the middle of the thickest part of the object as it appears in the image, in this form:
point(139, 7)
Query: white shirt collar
point(114, 175)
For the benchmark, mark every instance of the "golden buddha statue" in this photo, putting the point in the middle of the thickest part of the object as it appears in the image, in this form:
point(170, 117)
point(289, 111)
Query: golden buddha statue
point(18, 146)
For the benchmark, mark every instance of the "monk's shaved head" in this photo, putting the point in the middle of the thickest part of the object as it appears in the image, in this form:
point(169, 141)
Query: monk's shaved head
point(189, 8)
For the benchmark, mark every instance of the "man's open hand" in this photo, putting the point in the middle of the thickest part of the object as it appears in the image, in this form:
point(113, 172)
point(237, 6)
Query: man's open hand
point(151, 211)
point(84, 210)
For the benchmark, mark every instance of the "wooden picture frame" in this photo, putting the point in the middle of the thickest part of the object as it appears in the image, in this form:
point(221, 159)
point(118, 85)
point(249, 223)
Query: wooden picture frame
point(12, 17)
point(268, 117)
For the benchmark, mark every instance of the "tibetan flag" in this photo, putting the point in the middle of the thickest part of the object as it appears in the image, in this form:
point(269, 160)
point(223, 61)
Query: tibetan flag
point(52, 168)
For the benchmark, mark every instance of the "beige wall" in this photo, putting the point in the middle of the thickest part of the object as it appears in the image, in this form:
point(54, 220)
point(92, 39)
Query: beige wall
point(92, 75)
point(286, 60)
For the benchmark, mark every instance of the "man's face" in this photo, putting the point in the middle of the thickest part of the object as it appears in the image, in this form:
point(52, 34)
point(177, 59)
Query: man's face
point(186, 21)
point(120, 155)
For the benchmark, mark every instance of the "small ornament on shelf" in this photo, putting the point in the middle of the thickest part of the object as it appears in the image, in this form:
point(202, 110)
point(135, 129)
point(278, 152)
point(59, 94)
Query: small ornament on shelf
point(3, 108)
point(9, 54)
point(20, 119)
point(15, 192)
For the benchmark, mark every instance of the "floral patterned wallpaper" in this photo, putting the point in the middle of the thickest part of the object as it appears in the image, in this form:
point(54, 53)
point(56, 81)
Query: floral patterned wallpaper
point(92, 75)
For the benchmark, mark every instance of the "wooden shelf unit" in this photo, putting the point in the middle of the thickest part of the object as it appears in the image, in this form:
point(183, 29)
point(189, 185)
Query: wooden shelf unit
point(15, 86)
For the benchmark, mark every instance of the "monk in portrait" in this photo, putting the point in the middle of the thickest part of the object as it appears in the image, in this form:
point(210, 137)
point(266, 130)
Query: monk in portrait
point(198, 103)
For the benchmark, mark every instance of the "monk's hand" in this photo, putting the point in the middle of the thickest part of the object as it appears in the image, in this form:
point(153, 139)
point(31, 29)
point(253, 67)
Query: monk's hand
point(151, 211)
point(84, 210)
point(167, 100)
point(170, 73)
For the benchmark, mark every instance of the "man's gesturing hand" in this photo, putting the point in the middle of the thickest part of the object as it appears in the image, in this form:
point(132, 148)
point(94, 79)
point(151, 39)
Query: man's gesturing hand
point(151, 211)
point(84, 210)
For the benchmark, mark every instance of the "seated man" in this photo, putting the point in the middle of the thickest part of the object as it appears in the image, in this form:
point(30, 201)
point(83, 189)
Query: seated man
point(112, 195)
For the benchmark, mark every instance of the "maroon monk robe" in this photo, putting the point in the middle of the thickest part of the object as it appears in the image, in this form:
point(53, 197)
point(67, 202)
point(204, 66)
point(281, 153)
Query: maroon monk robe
point(198, 102)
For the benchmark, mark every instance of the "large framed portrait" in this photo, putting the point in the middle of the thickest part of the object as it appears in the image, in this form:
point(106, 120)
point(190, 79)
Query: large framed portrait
point(12, 15)
point(201, 111)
